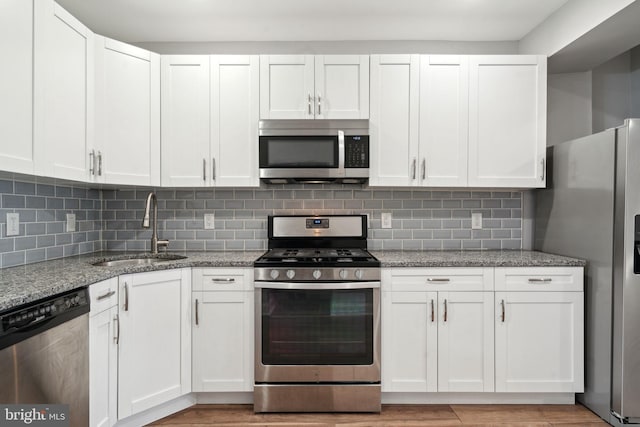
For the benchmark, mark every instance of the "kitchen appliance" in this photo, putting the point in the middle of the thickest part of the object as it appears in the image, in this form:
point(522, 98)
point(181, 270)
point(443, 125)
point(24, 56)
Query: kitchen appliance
point(314, 151)
point(44, 354)
point(591, 210)
point(317, 345)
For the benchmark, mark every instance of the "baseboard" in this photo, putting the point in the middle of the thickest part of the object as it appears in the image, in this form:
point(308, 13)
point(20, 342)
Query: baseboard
point(158, 412)
point(235, 398)
point(479, 398)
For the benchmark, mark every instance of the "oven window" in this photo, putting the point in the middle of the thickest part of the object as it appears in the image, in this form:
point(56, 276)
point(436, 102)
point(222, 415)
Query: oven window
point(298, 152)
point(317, 327)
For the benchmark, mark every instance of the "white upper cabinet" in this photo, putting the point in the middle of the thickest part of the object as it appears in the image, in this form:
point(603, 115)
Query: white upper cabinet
point(394, 119)
point(314, 87)
point(185, 120)
point(444, 110)
point(507, 121)
point(209, 120)
point(16, 101)
point(234, 120)
point(127, 142)
point(63, 93)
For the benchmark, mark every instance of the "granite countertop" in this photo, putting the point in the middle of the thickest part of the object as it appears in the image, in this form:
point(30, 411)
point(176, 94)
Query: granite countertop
point(469, 258)
point(24, 284)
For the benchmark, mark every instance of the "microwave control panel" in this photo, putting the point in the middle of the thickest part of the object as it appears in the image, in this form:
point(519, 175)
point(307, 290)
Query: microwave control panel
point(356, 151)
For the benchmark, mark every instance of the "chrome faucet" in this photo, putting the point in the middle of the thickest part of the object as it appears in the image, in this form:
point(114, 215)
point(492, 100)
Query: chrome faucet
point(145, 223)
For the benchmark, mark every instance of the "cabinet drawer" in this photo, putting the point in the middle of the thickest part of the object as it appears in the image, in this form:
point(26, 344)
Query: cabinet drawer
point(222, 279)
point(438, 279)
point(539, 279)
point(103, 295)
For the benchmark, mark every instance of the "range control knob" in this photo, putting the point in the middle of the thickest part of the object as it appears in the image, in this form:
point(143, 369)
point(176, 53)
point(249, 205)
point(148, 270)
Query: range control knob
point(343, 274)
point(291, 274)
point(317, 274)
point(359, 274)
point(274, 274)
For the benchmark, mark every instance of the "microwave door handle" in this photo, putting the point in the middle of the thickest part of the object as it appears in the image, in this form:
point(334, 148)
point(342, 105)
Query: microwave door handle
point(340, 149)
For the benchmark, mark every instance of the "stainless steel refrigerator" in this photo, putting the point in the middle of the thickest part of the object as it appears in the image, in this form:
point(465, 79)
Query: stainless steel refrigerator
point(591, 210)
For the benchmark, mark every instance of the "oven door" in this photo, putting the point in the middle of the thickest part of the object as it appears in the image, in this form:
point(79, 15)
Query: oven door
point(317, 332)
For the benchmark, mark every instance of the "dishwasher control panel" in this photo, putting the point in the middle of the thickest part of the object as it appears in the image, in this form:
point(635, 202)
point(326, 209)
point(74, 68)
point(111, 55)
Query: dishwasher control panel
point(42, 310)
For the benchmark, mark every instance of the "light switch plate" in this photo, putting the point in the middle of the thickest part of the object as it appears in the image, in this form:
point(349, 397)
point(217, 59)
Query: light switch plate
point(71, 222)
point(476, 221)
point(209, 221)
point(386, 219)
point(13, 224)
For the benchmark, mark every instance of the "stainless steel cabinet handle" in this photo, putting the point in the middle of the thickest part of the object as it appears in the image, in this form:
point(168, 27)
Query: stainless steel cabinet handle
point(204, 169)
point(213, 168)
point(116, 324)
point(225, 280)
point(99, 163)
point(445, 310)
point(92, 162)
point(502, 316)
point(413, 169)
point(107, 295)
point(309, 104)
point(424, 168)
point(543, 171)
point(197, 317)
point(319, 104)
point(433, 312)
point(126, 297)
point(540, 280)
point(438, 280)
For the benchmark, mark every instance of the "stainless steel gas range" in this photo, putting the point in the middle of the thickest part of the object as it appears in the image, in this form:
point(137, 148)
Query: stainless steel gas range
point(317, 317)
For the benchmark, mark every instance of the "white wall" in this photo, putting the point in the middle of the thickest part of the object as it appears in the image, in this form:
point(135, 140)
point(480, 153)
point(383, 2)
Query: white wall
point(568, 106)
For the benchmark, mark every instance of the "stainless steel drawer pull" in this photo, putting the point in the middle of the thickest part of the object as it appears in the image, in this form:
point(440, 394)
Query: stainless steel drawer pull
point(197, 317)
point(92, 162)
point(445, 310)
point(116, 324)
point(413, 169)
point(438, 280)
point(502, 304)
point(424, 168)
point(309, 103)
point(540, 280)
point(126, 297)
point(107, 295)
point(204, 169)
point(433, 312)
point(226, 280)
point(99, 163)
point(319, 104)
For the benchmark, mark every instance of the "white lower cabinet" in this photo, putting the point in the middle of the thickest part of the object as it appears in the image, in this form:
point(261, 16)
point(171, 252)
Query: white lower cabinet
point(539, 330)
point(222, 324)
point(437, 330)
point(103, 353)
point(155, 339)
point(444, 330)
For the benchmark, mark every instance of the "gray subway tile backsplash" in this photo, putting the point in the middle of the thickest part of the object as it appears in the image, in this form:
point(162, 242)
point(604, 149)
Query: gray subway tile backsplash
point(110, 219)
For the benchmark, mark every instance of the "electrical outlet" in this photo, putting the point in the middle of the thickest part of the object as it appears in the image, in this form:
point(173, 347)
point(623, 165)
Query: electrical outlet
point(476, 221)
point(71, 222)
point(386, 219)
point(209, 221)
point(13, 224)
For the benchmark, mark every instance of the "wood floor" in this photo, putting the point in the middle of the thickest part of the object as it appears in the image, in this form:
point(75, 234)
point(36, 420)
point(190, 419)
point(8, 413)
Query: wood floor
point(393, 415)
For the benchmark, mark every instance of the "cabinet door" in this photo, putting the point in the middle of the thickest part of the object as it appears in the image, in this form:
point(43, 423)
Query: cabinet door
point(286, 87)
point(155, 339)
point(410, 341)
point(63, 92)
point(342, 87)
point(465, 341)
point(234, 120)
point(185, 121)
point(223, 341)
point(507, 121)
point(16, 86)
point(539, 342)
point(394, 120)
point(127, 114)
point(444, 121)
point(103, 368)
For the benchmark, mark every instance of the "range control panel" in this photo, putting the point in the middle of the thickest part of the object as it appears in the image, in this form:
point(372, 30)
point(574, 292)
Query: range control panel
point(356, 151)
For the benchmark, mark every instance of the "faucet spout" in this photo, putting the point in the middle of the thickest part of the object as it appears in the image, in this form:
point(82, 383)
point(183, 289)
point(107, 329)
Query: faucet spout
point(155, 242)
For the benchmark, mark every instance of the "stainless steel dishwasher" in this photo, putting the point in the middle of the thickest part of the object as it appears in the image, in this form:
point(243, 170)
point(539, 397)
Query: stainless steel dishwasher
point(44, 354)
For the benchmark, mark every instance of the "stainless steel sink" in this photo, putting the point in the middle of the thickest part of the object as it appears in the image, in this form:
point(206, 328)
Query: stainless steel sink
point(126, 262)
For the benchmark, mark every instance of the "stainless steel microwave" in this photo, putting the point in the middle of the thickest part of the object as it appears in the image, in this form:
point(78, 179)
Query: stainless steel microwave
point(314, 151)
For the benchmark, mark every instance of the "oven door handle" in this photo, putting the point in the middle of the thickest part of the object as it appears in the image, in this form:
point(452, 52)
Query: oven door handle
point(316, 285)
